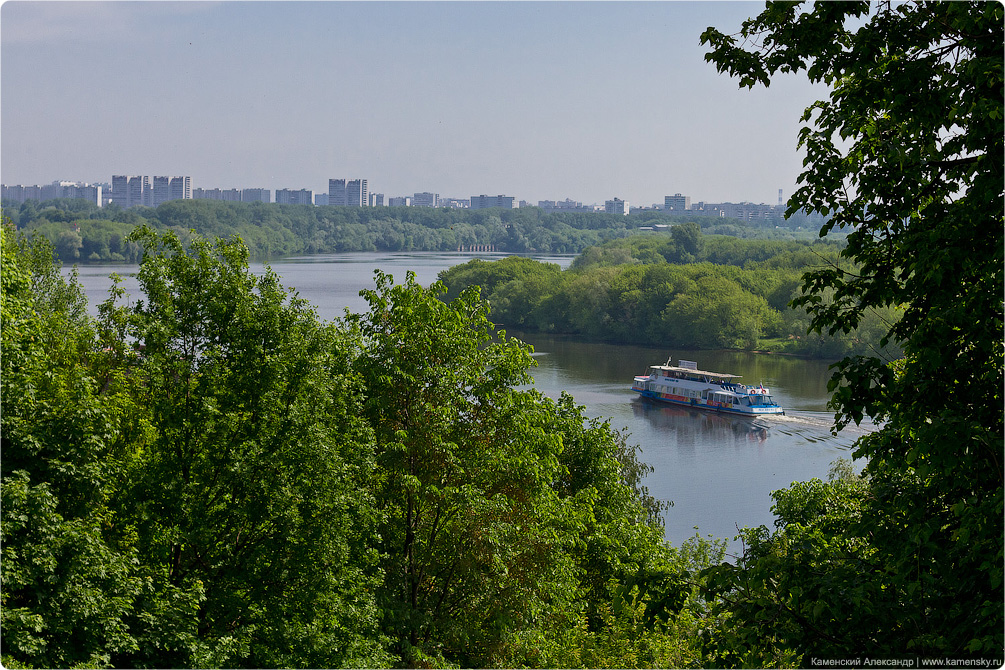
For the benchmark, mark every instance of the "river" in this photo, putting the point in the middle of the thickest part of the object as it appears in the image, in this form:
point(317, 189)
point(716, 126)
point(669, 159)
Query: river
point(718, 470)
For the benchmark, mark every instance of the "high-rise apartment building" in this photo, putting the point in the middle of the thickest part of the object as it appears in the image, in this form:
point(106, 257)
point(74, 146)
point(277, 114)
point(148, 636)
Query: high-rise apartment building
point(376, 199)
point(426, 199)
point(567, 205)
point(616, 206)
point(256, 195)
point(131, 190)
point(71, 190)
point(288, 196)
point(403, 201)
point(336, 193)
point(180, 188)
point(228, 195)
point(138, 191)
point(677, 202)
point(356, 193)
point(161, 191)
point(119, 185)
point(352, 193)
point(23, 193)
point(489, 201)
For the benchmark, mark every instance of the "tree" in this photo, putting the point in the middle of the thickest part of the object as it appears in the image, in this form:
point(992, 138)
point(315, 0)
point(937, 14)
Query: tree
point(906, 154)
point(249, 485)
point(70, 580)
point(514, 531)
point(687, 241)
point(69, 244)
point(475, 541)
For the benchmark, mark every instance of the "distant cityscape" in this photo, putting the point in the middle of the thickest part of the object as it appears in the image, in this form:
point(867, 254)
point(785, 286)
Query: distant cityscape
point(127, 191)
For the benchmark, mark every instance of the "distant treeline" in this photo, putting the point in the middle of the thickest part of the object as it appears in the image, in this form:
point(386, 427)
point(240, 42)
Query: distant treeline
point(680, 290)
point(81, 232)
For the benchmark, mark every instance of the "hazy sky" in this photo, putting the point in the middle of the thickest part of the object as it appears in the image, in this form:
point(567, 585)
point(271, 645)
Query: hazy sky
point(587, 101)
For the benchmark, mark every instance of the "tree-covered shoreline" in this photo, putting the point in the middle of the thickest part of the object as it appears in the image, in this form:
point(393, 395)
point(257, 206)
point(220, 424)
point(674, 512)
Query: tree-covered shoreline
point(682, 289)
point(81, 232)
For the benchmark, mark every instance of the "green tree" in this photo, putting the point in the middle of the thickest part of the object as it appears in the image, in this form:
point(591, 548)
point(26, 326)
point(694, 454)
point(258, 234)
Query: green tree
point(69, 244)
point(475, 540)
point(71, 582)
point(687, 240)
point(251, 485)
point(906, 154)
point(515, 531)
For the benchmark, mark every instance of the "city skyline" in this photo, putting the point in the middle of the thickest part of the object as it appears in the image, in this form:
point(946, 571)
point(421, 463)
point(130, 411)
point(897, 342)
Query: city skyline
point(587, 101)
point(180, 187)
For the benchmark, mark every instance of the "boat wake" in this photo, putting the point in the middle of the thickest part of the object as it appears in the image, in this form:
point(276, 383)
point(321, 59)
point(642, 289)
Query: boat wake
point(817, 426)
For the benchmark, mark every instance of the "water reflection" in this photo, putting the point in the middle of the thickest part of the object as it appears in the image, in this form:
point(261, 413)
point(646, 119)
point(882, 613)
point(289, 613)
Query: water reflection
point(690, 426)
point(718, 469)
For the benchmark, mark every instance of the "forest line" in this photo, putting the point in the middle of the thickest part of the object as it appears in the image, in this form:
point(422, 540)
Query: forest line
point(682, 289)
point(81, 232)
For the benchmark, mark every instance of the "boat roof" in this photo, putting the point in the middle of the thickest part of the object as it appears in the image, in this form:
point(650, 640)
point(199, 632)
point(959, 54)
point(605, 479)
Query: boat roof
point(692, 371)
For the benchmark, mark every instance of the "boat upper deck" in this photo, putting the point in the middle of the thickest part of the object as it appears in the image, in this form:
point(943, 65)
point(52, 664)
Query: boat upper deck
point(688, 373)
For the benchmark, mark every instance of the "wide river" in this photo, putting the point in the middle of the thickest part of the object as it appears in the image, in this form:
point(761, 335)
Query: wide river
point(719, 471)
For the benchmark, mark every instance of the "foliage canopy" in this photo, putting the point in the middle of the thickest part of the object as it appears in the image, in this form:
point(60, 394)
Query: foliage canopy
point(212, 477)
point(906, 155)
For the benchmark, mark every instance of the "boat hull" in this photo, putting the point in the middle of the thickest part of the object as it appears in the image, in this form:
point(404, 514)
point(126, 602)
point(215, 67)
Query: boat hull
point(707, 405)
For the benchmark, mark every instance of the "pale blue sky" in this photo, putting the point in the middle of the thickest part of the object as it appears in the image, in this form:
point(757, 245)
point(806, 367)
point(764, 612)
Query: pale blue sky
point(536, 100)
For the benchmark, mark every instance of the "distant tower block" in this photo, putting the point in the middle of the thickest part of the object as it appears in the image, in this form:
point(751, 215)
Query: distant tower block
point(779, 196)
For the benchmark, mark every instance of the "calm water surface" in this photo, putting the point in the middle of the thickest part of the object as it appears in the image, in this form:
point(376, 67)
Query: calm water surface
point(718, 470)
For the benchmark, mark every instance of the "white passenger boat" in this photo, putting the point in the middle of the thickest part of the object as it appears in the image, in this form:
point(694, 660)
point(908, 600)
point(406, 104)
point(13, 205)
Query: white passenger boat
point(685, 384)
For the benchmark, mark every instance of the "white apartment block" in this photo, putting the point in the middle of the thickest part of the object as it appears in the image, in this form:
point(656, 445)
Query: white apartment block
point(347, 193)
point(336, 193)
point(228, 195)
point(132, 190)
point(677, 203)
point(180, 188)
point(162, 190)
point(616, 206)
point(490, 201)
point(356, 193)
point(426, 199)
point(256, 195)
point(288, 196)
point(206, 194)
point(567, 205)
point(58, 189)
